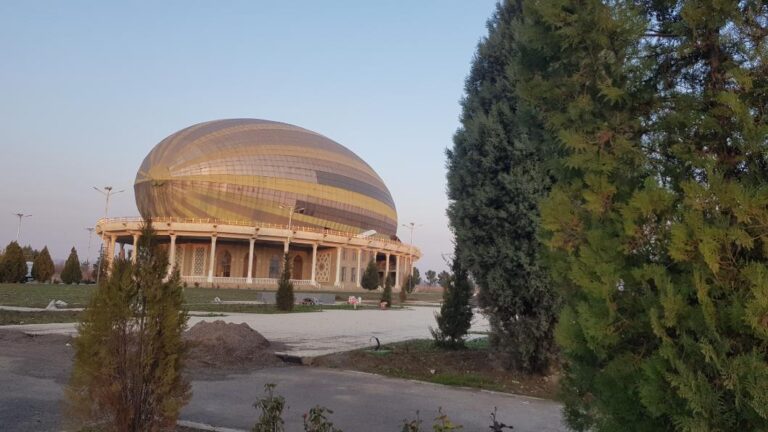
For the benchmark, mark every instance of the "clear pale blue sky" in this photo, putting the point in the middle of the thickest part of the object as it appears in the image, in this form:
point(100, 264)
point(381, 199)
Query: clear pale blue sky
point(88, 88)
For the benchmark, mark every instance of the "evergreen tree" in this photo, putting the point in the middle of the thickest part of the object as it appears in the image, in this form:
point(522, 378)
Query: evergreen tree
point(42, 267)
point(442, 278)
point(284, 297)
point(431, 276)
point(29, 253)
point(416, 277)
point(14, 266)
point(129, 353)
point(386, 294)
point(654, 225)
point(370, 279)
point(71, 272)
point(455, 316)
point(498, 171)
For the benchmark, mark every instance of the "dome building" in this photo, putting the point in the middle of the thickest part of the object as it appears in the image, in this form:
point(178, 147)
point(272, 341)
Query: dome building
point(231, 196)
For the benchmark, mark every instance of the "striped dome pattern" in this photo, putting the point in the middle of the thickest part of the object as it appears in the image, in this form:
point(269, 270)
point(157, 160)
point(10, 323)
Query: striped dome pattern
point(253, 170)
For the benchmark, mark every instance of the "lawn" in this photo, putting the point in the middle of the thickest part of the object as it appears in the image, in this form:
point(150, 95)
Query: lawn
point(38, 295)
point(474, 366)
point(44, 317)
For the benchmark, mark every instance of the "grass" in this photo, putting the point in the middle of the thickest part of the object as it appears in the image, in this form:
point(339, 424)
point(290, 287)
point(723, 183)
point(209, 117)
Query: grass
point(420, 359)
point(44, 317)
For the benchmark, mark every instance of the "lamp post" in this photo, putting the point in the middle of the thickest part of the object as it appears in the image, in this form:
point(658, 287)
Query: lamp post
point(90, 235)
point(291, 210)
point(107, 192)
point(411, 226)
point(21, 216)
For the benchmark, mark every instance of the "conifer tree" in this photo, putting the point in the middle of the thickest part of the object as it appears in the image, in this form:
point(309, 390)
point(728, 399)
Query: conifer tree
point(386, 294)
point(72, 272)
point(284, 297)
point(14, 266)
point(455, 316)
point(42, 267)
point(370, 279)
point(654, 224)
point(498, 170)
point(129, 352)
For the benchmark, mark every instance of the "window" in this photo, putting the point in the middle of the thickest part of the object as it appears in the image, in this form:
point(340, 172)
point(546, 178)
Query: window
point(354, 256)
point(198, 261)
point(343, 254)
point(225, 265)
point(274, 267)
point(354, 275)
point(343, 274)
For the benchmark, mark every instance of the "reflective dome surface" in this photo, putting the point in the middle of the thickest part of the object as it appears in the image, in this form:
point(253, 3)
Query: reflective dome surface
point(247, 169)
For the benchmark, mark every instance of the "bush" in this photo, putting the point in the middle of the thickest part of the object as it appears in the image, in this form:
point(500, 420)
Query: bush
point(386, 295)
point(316, 420)
point(370, 280)
point(284, 296)
point(271, 406)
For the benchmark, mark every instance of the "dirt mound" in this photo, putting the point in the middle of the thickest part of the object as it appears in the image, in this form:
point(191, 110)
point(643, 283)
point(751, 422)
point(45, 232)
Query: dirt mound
point(226, 345)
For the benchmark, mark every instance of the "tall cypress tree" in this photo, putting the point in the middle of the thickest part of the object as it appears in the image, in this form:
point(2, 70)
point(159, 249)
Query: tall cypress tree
point(284, 298)
point(42, 267)
point(72, 273)
point(497, 173)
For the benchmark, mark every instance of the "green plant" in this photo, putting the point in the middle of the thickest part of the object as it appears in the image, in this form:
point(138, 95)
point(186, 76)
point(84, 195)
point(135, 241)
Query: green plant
point(316, 420)
point(284, 296)
point(442, 423)
point(455, 316)
point(412, 425)
point(129, 352)
point(14, 266)
point(370, 279)
point(271, 406)
point(499, 168)
point(72, 272)
point(42, 266)
point(386, 294)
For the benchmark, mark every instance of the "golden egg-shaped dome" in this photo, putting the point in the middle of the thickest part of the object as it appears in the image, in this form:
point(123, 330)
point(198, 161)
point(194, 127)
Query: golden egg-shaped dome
point(256, 170)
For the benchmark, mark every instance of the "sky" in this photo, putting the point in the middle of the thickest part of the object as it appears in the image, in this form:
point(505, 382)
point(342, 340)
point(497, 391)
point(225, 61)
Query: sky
point(87, 89)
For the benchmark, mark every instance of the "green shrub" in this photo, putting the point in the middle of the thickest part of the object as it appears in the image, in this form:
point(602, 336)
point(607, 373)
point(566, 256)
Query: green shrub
point(284, 296)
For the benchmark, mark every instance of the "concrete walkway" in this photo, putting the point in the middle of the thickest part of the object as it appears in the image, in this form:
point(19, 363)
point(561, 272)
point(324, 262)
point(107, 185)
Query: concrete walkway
point(363, 402)
point(316, 333)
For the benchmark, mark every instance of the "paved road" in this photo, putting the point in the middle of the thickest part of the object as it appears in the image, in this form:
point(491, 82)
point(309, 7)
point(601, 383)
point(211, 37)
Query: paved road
point(317, 333)
point(363, 402)
point(34, 371)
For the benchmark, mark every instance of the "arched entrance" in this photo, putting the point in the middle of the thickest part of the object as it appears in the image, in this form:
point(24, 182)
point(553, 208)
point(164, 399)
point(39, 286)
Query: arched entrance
point(297, 270)
point(225, 265)
point(245, 266)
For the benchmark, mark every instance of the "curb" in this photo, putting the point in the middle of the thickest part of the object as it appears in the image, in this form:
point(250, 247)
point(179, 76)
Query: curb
point(206, 427)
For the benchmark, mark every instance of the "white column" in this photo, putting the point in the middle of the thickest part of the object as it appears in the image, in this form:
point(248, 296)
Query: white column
point(386, 269)
point(285, 246)
point(172, 255)
point(212, 261)
point(111, 252)
point(314, 262)
point(359, 253)
point(250, 261)
point(135, 248)
point(338, 266)
point(397, 272)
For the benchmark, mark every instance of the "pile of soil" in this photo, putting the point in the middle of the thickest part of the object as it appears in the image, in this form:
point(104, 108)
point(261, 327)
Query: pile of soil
point(225, 345)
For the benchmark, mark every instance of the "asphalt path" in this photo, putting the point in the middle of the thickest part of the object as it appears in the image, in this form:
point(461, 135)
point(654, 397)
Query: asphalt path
point(34, 372)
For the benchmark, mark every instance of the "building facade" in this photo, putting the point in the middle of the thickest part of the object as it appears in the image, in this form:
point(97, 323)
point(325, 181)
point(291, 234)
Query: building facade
point(230, 197)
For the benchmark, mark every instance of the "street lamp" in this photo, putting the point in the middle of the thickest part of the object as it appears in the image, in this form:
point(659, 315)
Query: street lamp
point(90, 235)
point(291, 210)
point(18, 230)
point(411, 226)
point(107, 192)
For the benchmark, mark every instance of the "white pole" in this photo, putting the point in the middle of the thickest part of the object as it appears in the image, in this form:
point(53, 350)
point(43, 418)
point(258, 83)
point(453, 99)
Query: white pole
point(18, 228)
point(107, 192)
